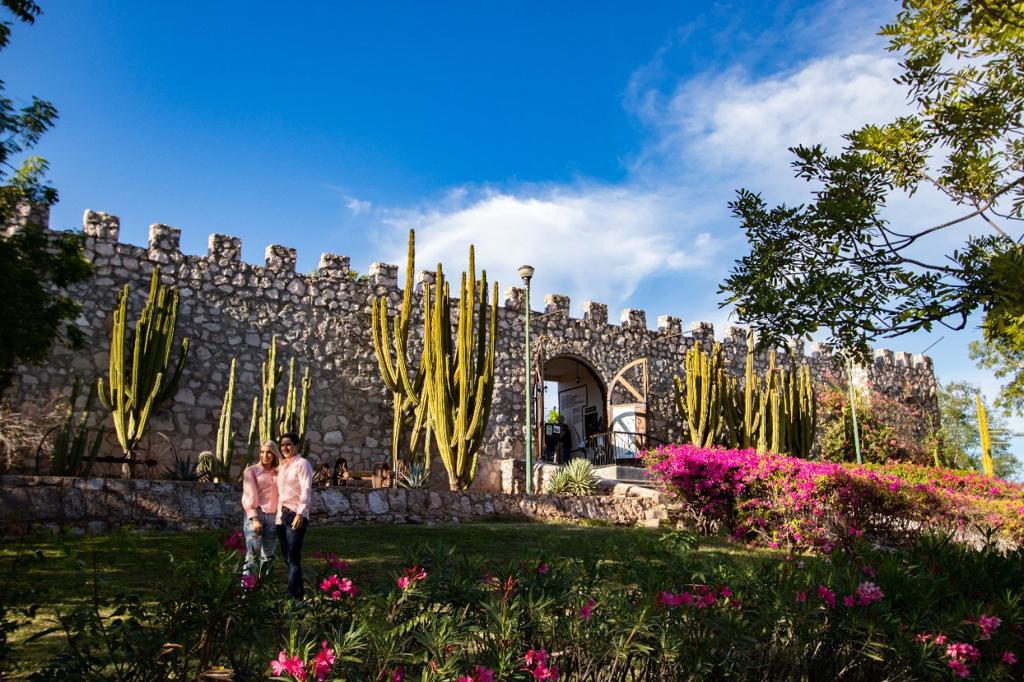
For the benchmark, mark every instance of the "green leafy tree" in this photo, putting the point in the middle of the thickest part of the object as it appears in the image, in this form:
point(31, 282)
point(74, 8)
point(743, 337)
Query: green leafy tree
point(836, 264)
point(36, 266)
point(959, 440)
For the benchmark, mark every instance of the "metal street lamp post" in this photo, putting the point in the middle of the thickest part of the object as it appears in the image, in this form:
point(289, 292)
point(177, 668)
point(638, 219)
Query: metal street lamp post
point(853, 409)
point(526, 272)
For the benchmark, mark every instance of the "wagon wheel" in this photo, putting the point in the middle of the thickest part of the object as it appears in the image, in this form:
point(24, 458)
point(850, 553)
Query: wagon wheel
point(156, 453)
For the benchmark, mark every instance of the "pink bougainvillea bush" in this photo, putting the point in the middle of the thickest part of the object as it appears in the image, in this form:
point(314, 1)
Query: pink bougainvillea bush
point(785, 501)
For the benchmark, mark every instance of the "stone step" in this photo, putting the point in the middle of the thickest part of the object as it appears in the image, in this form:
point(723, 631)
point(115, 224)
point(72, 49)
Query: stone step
point(658, 513)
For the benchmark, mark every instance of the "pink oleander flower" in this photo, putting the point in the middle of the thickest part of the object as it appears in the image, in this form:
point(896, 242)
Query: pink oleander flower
point(324, 662)
point(849, 601)
point(288, 665)
point(543, 569)
point(868, 593)
point(399, 674)
point(483, 674)
point(670, 599)
point(959, 668)
point(988, 625)
point(464, 678)
point(411, 576)
point(248, 581)
point(337, 587)
point(801, 597)
point(940, 639)
point(827, 596)
point(922, 637)
point(962, 651)
point(1009, 658)
point(234, 542)
point(587, 610)
point(332, 560)
point(537, 665)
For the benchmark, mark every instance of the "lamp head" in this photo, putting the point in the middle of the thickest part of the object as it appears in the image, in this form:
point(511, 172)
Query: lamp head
point(526, 272)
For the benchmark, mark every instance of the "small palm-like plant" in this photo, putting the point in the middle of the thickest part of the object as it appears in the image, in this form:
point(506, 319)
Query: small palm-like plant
point(417, 477)
point(575, 478)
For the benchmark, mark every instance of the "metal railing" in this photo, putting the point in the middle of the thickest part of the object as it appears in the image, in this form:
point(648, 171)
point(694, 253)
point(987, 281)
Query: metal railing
point(618, 447)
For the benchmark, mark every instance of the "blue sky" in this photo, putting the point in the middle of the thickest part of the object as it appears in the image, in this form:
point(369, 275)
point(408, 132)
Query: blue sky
point(598, 141)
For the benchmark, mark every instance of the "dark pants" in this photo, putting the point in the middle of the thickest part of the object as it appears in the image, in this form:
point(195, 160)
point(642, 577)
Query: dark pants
point(291, 545)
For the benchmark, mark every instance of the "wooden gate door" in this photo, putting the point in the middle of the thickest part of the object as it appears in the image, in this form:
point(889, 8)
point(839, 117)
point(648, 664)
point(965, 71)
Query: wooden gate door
point(627, 409)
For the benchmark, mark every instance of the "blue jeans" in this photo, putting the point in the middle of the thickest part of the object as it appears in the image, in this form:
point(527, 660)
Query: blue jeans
point(259, 547)
point(291, 546)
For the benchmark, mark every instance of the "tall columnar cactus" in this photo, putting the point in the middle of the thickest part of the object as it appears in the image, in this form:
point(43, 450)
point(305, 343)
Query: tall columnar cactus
point(265, 404)
point(459, 380)
point(223, 455)
point(765, 403)
point(801, 410)
point(700, 403)
point(73, 454)
point(986, 442)
point(270, 419)
point(742, 418)
point(138, 383)
point(293, 414)
point(405, 384)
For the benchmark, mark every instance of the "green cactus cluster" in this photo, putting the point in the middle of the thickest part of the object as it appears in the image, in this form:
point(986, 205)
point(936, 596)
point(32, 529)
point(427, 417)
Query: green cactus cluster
point(142, 378)
point(269, 419)
point(459, 371)
point(699, 397)
point(446, 400)
point(775, 412)
point(404, 382)
point(73, 453)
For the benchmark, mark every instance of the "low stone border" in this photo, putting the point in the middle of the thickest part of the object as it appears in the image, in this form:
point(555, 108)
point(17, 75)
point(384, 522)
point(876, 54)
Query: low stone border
point(98, 505)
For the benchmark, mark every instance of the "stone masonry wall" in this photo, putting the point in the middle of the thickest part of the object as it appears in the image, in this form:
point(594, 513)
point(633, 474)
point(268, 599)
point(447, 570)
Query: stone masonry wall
point(232, 309)
point(99, 505)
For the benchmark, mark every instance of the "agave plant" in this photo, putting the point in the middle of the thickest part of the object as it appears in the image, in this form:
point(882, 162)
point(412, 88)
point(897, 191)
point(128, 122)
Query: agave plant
point(417, 477)
point(183, 469)
point(575, 478)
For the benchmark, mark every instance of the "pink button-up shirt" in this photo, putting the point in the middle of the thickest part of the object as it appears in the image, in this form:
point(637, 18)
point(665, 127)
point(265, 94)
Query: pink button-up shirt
point(294, 480)
point(259, 490)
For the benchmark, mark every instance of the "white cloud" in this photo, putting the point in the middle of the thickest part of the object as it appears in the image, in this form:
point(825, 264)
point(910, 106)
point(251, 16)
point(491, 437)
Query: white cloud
point(357, 206)
point(594, 243)
point(737, 126)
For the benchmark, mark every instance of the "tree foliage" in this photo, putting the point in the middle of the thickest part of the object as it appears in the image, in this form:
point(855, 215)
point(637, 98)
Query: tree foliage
point(837, 264)
point(36, 266)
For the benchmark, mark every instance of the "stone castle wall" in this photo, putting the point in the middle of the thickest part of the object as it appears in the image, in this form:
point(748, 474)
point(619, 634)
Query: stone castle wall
point(231, 309)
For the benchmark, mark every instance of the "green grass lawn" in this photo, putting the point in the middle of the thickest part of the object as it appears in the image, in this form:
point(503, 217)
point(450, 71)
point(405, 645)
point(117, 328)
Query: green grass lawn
point(139, 561)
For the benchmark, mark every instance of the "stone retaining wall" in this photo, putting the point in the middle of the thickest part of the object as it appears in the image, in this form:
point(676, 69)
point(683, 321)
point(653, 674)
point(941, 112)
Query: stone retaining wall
point(98, 505)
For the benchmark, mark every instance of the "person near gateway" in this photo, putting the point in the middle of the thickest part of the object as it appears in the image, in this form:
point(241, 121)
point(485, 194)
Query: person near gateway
point(294, 482)
point(259, 502)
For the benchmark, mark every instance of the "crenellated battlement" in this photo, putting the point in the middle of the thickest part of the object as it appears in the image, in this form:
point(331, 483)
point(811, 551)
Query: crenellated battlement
point(164, 247)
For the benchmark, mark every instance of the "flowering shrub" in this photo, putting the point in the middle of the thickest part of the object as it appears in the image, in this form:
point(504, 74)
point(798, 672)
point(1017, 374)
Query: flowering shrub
point(890, 430)
point(785, 501)
point(935, 610)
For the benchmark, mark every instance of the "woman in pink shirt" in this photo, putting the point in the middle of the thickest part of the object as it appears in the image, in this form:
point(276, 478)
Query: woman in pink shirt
point(259, 501)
